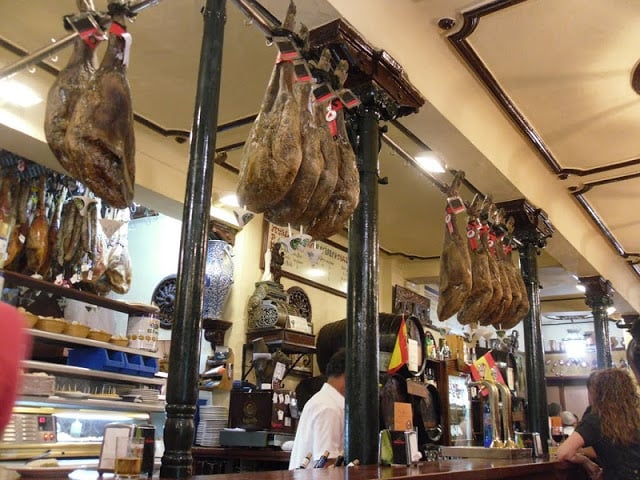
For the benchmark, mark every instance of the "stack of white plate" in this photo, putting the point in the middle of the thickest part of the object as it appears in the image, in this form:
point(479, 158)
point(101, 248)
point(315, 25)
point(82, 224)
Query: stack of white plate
point(147, 395)
point(213, 418)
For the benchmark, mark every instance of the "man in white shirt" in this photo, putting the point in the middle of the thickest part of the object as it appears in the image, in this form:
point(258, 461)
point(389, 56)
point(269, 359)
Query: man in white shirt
point(321, 425)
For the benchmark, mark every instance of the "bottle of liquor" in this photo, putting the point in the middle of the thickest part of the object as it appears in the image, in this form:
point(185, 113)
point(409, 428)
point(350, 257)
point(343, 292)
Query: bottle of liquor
point(306, 460)
point(486, 417)
point(339, 460)
point(353, 463)
point(322, 460)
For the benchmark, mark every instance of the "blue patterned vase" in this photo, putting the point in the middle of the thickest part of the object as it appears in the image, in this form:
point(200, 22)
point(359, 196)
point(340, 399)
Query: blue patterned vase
point(218, 278)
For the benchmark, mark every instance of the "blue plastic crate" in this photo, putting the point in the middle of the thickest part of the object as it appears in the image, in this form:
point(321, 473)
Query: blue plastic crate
point(138, 365)
point(96, 359)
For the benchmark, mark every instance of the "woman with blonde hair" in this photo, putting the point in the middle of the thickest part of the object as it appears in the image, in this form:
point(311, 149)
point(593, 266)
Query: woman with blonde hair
point(612, 428)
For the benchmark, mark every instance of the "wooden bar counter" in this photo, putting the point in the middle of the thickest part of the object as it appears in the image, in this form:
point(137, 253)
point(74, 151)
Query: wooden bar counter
point(464, 469)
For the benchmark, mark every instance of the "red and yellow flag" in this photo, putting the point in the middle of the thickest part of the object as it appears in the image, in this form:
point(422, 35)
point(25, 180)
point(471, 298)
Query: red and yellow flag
point(400, 355)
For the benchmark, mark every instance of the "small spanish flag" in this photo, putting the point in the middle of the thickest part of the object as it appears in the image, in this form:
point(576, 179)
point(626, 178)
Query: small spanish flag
point(400, 355)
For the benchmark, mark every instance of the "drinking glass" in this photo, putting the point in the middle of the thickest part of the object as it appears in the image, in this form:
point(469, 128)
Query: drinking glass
point(128, 462)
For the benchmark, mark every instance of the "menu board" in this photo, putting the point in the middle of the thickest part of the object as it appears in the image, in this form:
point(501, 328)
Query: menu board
point(321, 264)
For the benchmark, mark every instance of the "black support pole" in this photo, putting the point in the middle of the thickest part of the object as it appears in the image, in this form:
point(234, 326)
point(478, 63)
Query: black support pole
point(182, 392)
point(362, 403)
point(537, 415)
point(598, 296)
point(532, 228)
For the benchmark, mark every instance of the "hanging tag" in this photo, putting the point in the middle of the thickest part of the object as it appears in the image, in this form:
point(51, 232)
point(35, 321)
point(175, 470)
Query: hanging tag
point(456, 205)
point(301, 72)
point(274, 400)
point(323, 93)
point(472, 235)
point(121, 31)
point(492, 241)
point(87, 27)
point(448, 221)
point(348, 99)
point(330, 117)
point(287, 51)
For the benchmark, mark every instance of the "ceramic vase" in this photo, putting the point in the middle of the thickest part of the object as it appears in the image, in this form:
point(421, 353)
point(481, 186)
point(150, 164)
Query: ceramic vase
point(218, 278)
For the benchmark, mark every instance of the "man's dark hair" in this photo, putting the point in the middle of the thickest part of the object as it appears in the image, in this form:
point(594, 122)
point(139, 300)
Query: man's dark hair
point(336, 365)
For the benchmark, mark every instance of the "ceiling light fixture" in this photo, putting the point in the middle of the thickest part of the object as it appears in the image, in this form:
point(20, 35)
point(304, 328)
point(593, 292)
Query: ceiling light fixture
point(430, 162)
point(611, 310)
point(230, 200)
point(17, 93)
point(581, 288)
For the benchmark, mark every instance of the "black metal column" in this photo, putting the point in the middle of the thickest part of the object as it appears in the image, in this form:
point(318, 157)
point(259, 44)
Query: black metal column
point(532, 228)
point(182, 383)
point(598, 296)
point(362, 403)
point(537, 415)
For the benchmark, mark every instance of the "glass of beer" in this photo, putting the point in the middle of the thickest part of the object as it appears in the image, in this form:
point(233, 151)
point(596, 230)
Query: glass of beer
point(128, 462)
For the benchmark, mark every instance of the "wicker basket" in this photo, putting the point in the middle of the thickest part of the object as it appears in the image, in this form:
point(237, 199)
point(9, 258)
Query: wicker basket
point(77, 330)
point(121, 342)
point(99, 335)
point(50, 324)
point(29, 318)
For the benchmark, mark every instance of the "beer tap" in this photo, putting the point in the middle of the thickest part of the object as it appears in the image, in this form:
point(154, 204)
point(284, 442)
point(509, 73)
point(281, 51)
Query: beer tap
point(507, 416)
point(495, 410)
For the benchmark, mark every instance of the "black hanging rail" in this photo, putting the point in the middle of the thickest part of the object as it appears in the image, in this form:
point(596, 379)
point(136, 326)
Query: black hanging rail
point(98, 18)
point(263, 18)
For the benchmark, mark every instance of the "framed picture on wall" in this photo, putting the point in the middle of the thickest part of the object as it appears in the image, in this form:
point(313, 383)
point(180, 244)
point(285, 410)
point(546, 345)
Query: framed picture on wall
point(321, 264)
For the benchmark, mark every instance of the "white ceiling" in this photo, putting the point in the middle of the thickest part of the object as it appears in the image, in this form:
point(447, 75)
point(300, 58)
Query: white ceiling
point(567, 71)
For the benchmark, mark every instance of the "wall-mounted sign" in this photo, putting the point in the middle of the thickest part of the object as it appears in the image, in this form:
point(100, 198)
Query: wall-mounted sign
point(321, 264)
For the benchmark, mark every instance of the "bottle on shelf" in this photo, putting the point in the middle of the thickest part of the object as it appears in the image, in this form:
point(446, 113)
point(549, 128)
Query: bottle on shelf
point(486, 423)
point(306, 461)
point(322, 460)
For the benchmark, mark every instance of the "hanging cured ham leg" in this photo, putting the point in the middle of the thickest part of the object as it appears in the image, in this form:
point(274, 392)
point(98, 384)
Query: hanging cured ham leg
point(329, 150)
point(291, 207)
point(64, 93)
point(100, 139)
point(482, 288)
point(455, 264)
point(37, 248)
point(346, 195)
point(273, 151)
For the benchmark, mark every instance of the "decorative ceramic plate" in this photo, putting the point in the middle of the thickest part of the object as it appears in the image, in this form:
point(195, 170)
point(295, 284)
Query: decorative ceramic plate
point(299, 299)
point(164, 296)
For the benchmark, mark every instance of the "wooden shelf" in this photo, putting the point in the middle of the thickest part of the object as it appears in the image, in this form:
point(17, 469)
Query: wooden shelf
point(289, 341)
point(87, 297)
point(68, 340)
